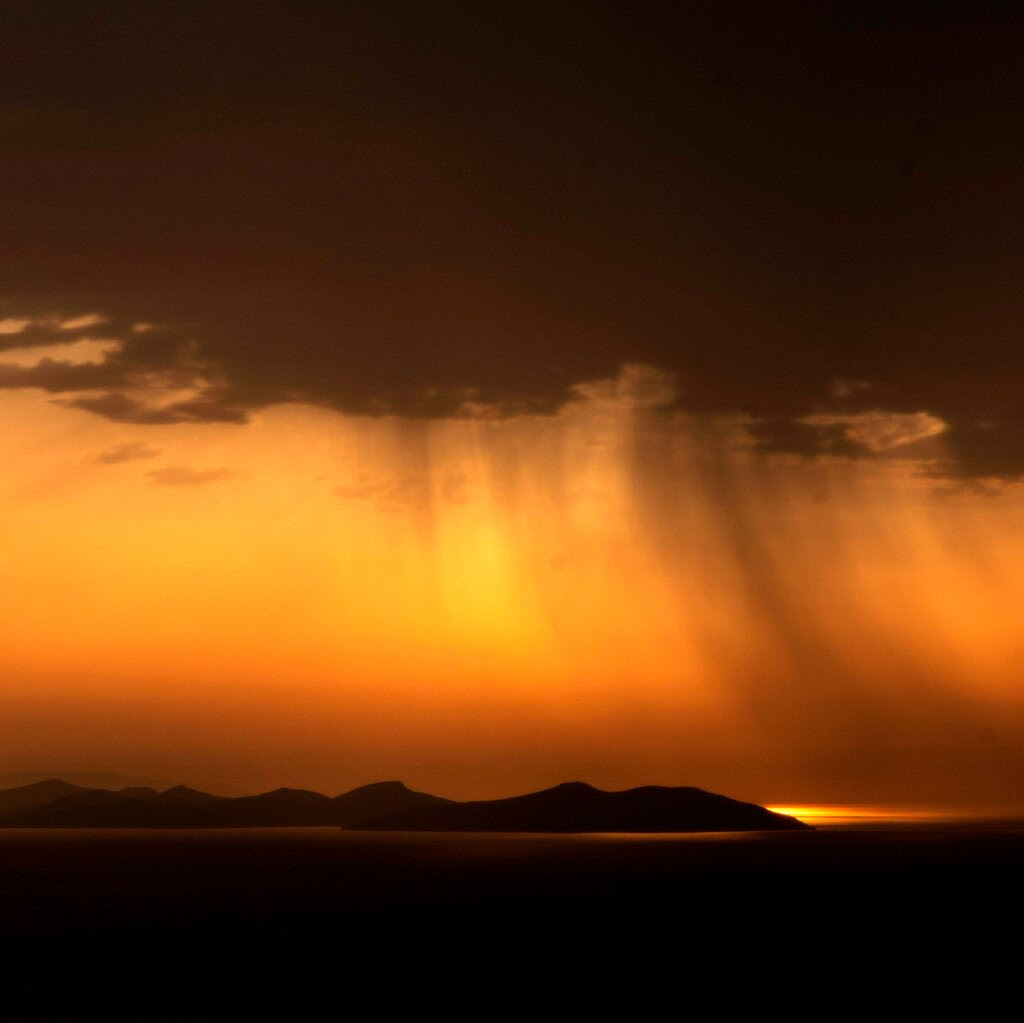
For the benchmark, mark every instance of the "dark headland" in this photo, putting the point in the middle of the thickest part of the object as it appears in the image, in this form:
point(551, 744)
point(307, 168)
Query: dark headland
point(570, 807)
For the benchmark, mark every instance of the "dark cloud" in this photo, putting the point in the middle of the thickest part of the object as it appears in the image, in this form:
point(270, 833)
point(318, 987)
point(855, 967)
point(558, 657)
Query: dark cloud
point(122, 409)
point(791, 437)
point(988, 451)
point(57, 377)
point(180, 476)
point(40, 331)
point(380, 210)
point(129, 452)
point(140, 374)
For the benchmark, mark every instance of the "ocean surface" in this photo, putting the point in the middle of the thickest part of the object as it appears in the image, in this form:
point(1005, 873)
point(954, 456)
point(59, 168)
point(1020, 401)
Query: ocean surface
point(211, 908)
point(433, 883)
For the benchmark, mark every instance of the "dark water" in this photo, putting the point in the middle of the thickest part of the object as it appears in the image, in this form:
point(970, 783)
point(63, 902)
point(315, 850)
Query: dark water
point(236, 913)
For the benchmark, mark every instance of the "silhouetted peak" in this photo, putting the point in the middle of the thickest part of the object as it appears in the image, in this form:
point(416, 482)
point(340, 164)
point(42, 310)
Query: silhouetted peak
point(690, 789)
point(36, 793)
point(383, 787)
point(378, 800)
point(184, 795)
point(293, 795)
point(50, 785)
point(564, 790)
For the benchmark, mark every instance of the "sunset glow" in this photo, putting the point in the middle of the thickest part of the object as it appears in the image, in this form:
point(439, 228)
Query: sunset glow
point(634, 592)
point(514, 394)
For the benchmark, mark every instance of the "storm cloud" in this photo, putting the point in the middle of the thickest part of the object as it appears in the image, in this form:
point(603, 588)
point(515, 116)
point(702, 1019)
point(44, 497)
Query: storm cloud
point(366, 209)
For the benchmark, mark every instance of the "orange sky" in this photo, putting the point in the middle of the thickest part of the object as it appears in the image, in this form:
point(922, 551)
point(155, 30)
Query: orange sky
point(620, 592)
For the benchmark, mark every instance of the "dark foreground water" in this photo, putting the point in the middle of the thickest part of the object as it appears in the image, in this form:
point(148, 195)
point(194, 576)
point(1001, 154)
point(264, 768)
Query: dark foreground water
point(180, 923)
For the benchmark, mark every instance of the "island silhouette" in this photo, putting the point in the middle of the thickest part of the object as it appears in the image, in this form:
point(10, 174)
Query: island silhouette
point(389, 806)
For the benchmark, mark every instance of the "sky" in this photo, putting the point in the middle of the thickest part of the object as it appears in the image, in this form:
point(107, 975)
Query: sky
point(494, 395)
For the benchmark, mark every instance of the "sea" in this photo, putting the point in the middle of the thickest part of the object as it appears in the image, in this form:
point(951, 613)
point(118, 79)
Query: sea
point(203, 919)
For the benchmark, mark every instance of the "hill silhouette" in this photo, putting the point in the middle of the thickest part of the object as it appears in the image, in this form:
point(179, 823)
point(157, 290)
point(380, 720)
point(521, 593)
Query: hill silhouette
point(570, 807)
point(184, 796)
point(576, 806)
point(102, 808)
point(36, 794)
point(382, 800)
point(139, 792)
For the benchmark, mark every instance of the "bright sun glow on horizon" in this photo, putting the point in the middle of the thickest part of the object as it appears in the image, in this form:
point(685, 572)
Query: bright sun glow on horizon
point(898, 814)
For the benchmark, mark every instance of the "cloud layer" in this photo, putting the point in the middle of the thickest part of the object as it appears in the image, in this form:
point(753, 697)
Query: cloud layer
point(474, 214)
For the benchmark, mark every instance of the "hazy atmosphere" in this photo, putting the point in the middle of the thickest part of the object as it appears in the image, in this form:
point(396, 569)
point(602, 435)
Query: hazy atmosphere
point(488, 397)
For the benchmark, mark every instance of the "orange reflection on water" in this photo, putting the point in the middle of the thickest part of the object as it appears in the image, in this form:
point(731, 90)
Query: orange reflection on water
point(869, 816)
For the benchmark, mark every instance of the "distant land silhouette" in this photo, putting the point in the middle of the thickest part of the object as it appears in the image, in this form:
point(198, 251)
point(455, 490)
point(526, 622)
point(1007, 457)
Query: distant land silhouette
point(96, 780)
point(389, 805)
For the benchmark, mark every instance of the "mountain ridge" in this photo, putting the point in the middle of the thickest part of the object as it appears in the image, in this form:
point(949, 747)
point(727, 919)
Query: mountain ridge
point(390, 805)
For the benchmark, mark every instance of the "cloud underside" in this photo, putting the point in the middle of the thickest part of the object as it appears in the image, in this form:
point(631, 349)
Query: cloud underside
point(131, 451)
point(181, 476)
point(121, 408)
point(148, 374)
point(870, 434)
point(114, 369)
